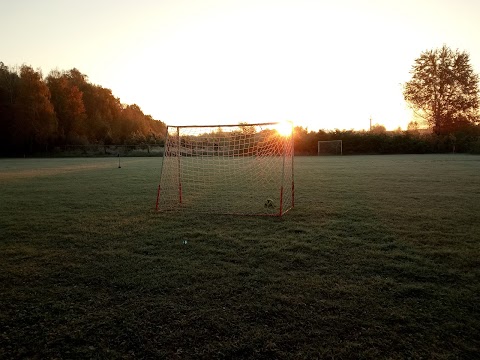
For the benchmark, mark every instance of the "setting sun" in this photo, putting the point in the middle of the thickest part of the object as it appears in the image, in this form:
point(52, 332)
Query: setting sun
point(284, 128)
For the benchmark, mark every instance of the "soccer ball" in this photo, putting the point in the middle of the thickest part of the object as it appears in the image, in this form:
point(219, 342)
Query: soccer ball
point(269, 204)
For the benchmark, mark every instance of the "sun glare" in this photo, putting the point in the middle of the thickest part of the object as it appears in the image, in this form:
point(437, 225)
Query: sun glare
point(284, 128)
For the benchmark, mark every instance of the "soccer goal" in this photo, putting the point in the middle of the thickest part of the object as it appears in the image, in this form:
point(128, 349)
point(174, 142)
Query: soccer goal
point(330, 147)
point(244, 169)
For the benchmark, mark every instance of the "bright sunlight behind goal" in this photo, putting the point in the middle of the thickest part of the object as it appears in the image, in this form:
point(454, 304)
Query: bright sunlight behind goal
point(244, 169)
point(330, 147)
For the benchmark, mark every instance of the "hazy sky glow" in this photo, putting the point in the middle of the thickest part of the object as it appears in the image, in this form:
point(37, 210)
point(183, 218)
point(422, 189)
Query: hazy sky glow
point(322, 64)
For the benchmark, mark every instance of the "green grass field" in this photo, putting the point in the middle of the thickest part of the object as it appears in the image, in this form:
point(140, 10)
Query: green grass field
point(379, 259)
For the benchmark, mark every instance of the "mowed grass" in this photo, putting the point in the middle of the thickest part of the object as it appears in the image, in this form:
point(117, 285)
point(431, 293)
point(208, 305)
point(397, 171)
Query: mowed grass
point(379, 259)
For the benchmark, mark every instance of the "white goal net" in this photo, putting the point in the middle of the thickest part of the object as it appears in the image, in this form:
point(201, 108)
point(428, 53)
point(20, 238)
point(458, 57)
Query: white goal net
point(244, 169)
point(330, 147)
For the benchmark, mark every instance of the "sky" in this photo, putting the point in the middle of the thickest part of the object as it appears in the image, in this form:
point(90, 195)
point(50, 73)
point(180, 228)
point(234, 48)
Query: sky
point(322, 64)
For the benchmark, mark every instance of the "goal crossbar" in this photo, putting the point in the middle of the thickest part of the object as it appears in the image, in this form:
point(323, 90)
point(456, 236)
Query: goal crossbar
point(223, 126)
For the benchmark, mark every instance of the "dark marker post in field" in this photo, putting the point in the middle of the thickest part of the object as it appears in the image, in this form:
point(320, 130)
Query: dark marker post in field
point(119, 161)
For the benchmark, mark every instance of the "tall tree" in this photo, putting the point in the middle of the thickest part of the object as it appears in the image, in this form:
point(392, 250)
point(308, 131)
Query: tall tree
point(35, 121)
point(444, 89)
point(68, 104)
point(9, 82)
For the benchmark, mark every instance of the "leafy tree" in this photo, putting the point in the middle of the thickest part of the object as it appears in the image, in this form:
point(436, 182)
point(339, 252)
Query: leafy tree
point(9, 81)
point(102, 109)
point(378, 129)
point(444, 89)
point(8, 84)
point(67, 101)
point(107, 109)
point(413, 126)
point(35, 122)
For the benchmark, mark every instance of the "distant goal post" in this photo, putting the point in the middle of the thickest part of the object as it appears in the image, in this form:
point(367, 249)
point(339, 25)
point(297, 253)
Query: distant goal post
point(244, 169)
point(330, 147)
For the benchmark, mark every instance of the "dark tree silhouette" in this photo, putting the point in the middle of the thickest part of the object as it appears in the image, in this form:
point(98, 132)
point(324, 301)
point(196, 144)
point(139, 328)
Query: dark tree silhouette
point(35, 122)
point(9, 83)
point(444, 89)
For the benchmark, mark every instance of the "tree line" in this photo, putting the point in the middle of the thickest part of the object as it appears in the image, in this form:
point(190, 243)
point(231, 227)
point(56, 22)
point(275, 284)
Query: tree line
point(38, 114)
point(463, 140)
